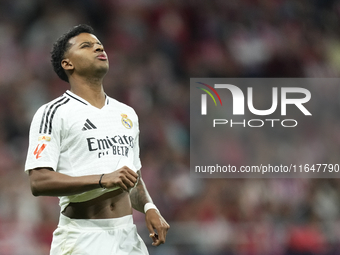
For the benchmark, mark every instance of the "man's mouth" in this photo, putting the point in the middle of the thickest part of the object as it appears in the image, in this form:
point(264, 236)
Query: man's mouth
point(102, 57)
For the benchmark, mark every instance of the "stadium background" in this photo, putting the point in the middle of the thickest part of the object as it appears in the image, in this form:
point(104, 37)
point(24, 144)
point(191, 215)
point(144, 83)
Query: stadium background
point(154, 48)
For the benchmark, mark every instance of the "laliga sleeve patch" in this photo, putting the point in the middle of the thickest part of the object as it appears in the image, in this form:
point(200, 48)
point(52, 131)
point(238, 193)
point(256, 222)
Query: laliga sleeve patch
point(38, 150)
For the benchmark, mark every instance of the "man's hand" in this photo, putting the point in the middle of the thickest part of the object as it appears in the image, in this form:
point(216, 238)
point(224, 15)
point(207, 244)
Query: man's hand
point(155, 221)
point(125, 178)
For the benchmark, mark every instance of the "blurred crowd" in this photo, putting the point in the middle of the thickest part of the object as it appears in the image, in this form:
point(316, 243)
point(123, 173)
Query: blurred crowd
point(154, 47)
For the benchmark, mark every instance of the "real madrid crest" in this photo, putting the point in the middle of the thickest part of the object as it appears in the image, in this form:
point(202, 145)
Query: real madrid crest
point(125, 121)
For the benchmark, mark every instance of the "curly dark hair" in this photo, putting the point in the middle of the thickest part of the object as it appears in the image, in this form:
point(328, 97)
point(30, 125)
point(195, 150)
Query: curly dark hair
point(62, 45)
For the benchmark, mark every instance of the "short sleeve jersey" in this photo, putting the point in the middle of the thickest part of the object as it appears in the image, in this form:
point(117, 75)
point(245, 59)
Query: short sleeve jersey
point(75, 138)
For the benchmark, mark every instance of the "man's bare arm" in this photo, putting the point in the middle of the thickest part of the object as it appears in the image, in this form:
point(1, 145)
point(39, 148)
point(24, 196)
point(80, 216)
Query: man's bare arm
point(46, 182)
point(139, 196)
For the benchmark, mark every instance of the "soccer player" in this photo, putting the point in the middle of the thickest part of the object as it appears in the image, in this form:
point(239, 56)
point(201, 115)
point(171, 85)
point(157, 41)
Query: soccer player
point(83, 148)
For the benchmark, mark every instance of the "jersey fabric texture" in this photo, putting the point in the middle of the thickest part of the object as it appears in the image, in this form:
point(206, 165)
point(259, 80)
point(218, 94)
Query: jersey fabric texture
point(75, 138)
point(116, 236)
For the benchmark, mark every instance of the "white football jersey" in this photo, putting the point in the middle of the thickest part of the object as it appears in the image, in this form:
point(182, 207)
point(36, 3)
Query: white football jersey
point(75, 138)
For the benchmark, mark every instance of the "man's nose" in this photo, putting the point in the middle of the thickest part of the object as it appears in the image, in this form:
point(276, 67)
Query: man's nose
point(99, 47)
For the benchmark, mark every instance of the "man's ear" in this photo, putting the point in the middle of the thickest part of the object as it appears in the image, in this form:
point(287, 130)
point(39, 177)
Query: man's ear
point(67, 64)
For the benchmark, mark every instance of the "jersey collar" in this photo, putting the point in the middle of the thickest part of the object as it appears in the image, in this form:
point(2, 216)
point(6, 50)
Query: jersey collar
point(81, 100)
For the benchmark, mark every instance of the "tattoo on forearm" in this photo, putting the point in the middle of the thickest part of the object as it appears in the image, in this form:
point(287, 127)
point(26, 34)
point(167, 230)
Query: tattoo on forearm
point(139, 196)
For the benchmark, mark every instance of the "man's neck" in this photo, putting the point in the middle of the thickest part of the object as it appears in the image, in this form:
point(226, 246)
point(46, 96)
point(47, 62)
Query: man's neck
point(92, 91)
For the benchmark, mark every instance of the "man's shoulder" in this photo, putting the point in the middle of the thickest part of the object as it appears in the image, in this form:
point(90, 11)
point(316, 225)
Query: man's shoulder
point(120, 105)
point(54, 105)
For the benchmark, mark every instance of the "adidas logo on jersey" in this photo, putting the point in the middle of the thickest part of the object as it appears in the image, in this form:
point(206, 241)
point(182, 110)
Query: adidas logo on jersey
point(88, 125)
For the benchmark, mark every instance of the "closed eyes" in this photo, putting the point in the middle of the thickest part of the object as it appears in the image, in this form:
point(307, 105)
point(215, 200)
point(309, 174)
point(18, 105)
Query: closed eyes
point(88, 44)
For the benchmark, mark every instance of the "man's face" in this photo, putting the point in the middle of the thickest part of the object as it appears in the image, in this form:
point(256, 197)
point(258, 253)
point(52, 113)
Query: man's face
point(86, 56)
